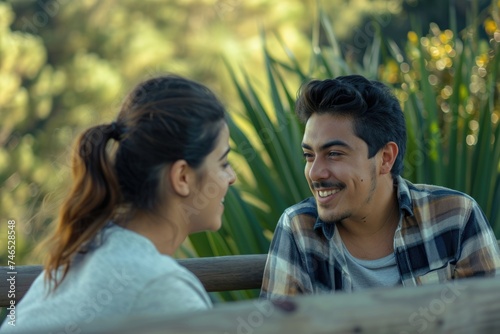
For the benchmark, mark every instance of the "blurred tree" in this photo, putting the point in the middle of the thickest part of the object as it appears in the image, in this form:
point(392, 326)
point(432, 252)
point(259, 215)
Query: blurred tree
point(66, 65)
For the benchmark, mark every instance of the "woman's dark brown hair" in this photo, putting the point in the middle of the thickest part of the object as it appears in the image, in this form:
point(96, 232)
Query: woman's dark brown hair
point(163, 119)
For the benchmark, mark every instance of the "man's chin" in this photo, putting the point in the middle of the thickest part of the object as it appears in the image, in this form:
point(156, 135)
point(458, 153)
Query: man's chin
point(326, 218)
point(330, 217)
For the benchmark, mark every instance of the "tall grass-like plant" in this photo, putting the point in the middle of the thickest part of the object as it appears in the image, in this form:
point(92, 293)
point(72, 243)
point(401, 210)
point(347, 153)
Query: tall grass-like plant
point(448, 86)
point(449, 90)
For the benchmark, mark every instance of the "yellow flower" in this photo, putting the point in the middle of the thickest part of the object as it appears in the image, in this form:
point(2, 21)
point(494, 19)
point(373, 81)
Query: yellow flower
point(482, 60)
point(412, 37)
point(443, 38)
point(490, 26)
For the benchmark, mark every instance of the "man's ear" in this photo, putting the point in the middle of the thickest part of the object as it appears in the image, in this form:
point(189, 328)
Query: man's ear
point(389, 153)
point(180, 177)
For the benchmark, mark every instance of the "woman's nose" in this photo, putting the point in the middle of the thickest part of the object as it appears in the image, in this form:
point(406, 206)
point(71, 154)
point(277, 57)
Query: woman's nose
point(232, 175)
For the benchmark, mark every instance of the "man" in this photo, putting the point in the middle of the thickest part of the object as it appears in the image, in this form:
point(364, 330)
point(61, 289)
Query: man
point(365, 225)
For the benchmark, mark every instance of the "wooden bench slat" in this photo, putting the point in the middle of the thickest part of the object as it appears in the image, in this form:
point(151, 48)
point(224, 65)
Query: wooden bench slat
point(459, 307)
point(220, 273)
point(227, 273)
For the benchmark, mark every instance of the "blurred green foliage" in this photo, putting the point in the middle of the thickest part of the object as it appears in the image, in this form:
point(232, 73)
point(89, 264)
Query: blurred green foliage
point(66, 65)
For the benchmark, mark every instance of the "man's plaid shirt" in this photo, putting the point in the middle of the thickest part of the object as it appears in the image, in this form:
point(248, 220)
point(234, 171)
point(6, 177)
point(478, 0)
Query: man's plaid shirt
point(443, 235)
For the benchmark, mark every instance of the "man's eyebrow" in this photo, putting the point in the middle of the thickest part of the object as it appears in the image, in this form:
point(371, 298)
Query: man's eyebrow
point(328, 145)
point(225, 153)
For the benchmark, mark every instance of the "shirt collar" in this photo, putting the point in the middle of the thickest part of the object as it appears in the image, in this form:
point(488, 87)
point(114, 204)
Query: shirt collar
point(404, 195)
point(328, 229)
point(404, 201)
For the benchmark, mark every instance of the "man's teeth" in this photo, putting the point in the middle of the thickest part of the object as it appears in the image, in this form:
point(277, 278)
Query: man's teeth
point(324, 193)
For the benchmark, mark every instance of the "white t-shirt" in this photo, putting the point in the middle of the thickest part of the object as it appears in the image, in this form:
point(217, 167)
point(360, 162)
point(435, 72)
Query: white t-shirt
point(366, 274)
point(122, 274)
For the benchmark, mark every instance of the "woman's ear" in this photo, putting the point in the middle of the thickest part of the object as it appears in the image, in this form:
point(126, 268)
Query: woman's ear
point(180, 177)
point(389, 155)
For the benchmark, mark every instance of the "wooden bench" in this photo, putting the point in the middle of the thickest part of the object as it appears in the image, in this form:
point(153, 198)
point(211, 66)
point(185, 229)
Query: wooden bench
point(222, 273)
point(463, 306)
point(459, 307)
point(217, 274)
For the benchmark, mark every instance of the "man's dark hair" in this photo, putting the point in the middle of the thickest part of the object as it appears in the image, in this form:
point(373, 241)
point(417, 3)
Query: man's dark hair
point(375, 111)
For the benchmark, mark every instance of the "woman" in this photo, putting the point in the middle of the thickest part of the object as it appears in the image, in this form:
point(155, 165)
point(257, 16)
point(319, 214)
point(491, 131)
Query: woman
point(128, 211)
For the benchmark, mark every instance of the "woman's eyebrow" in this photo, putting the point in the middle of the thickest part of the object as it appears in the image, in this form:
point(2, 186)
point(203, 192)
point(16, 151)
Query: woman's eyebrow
point(225, 153)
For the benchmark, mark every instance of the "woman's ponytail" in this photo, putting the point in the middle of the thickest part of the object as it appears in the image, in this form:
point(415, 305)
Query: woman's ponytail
point(91, 202)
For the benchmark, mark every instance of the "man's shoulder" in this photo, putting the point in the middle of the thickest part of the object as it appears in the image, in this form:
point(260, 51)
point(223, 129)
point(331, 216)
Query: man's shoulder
point(433, 204)
point(418, 191)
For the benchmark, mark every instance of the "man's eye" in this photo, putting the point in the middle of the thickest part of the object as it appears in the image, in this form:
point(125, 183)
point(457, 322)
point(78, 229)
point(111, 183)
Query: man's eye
point(308, 156)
